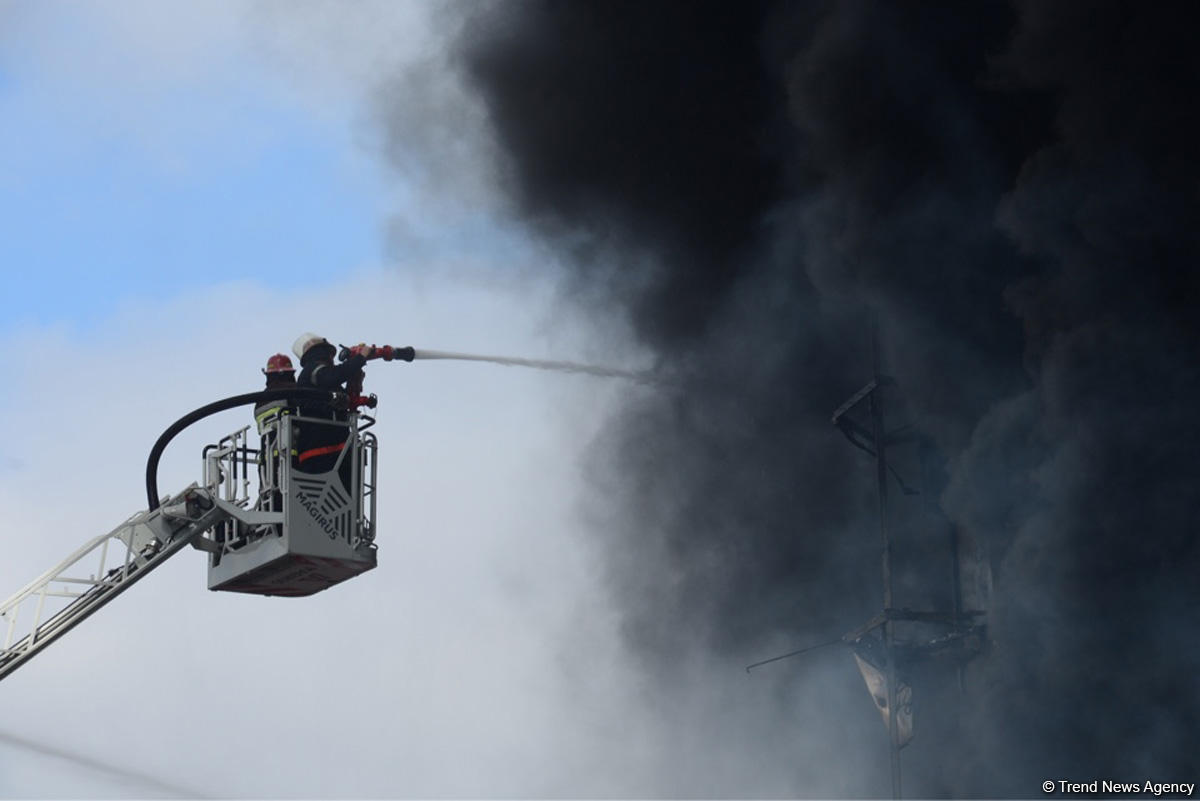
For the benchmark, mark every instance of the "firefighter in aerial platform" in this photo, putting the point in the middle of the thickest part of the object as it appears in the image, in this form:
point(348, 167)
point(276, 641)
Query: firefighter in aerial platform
point(268, 416)
point(319, 446)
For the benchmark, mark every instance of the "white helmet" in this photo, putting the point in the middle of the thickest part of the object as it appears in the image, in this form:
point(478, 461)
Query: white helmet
point(306, 342)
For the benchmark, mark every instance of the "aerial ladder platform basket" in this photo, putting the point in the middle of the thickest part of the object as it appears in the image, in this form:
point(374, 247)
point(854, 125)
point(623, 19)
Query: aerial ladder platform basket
point(313, 529)
point(271, 524)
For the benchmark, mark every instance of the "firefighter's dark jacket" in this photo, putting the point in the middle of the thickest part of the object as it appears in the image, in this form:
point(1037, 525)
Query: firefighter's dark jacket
point(316, 442)
point(325, 374)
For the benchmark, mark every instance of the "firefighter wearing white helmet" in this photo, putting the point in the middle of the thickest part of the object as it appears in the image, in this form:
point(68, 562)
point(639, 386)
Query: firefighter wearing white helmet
point(305, 342)
point(320, 446)
point(316, 363)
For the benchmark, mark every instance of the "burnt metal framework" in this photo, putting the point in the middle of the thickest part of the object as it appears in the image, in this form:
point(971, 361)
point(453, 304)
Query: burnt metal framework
point(899, 636)
point(959, 632)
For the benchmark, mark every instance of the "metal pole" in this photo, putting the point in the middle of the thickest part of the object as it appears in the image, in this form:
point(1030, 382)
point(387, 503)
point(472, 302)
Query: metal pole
point(879, 432)
point(925, 448)
point(956, 577)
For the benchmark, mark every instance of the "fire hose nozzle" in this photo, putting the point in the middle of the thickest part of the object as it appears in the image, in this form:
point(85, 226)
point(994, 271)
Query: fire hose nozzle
point(386, 352)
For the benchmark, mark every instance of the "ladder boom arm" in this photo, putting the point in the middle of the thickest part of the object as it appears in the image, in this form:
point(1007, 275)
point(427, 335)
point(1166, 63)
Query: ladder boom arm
point(67, 594)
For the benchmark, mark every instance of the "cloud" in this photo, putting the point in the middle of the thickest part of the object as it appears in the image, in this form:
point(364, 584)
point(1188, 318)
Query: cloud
point(178, 84)
point(443, 672)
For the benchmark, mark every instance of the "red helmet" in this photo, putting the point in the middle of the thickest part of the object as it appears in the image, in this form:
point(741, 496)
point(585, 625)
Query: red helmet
point(279, 363)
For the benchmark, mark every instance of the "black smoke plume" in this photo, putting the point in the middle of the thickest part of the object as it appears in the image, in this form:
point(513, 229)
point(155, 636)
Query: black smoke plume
point(1012, 192)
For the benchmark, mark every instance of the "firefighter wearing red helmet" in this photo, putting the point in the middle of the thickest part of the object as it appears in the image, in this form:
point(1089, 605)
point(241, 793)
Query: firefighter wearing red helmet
point(268, 416)
point(277, 365)
point(280, 375)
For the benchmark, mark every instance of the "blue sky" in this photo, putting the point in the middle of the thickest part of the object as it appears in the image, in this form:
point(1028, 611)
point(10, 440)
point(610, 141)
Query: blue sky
point(90, 227)
point(149, 150)
point(157, 189)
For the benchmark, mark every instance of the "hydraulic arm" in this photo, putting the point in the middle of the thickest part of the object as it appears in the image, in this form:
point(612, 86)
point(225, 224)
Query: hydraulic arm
point(68, 593)
point(65, 595)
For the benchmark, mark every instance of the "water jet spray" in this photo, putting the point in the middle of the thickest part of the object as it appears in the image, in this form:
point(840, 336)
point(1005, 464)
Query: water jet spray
point(408, 354)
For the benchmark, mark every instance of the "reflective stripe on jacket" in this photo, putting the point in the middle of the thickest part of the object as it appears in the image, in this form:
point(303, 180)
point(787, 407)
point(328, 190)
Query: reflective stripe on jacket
point(268, 412)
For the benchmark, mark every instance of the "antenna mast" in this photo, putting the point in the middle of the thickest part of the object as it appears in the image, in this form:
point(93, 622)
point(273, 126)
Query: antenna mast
point(879, 435)
point(956, 633)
